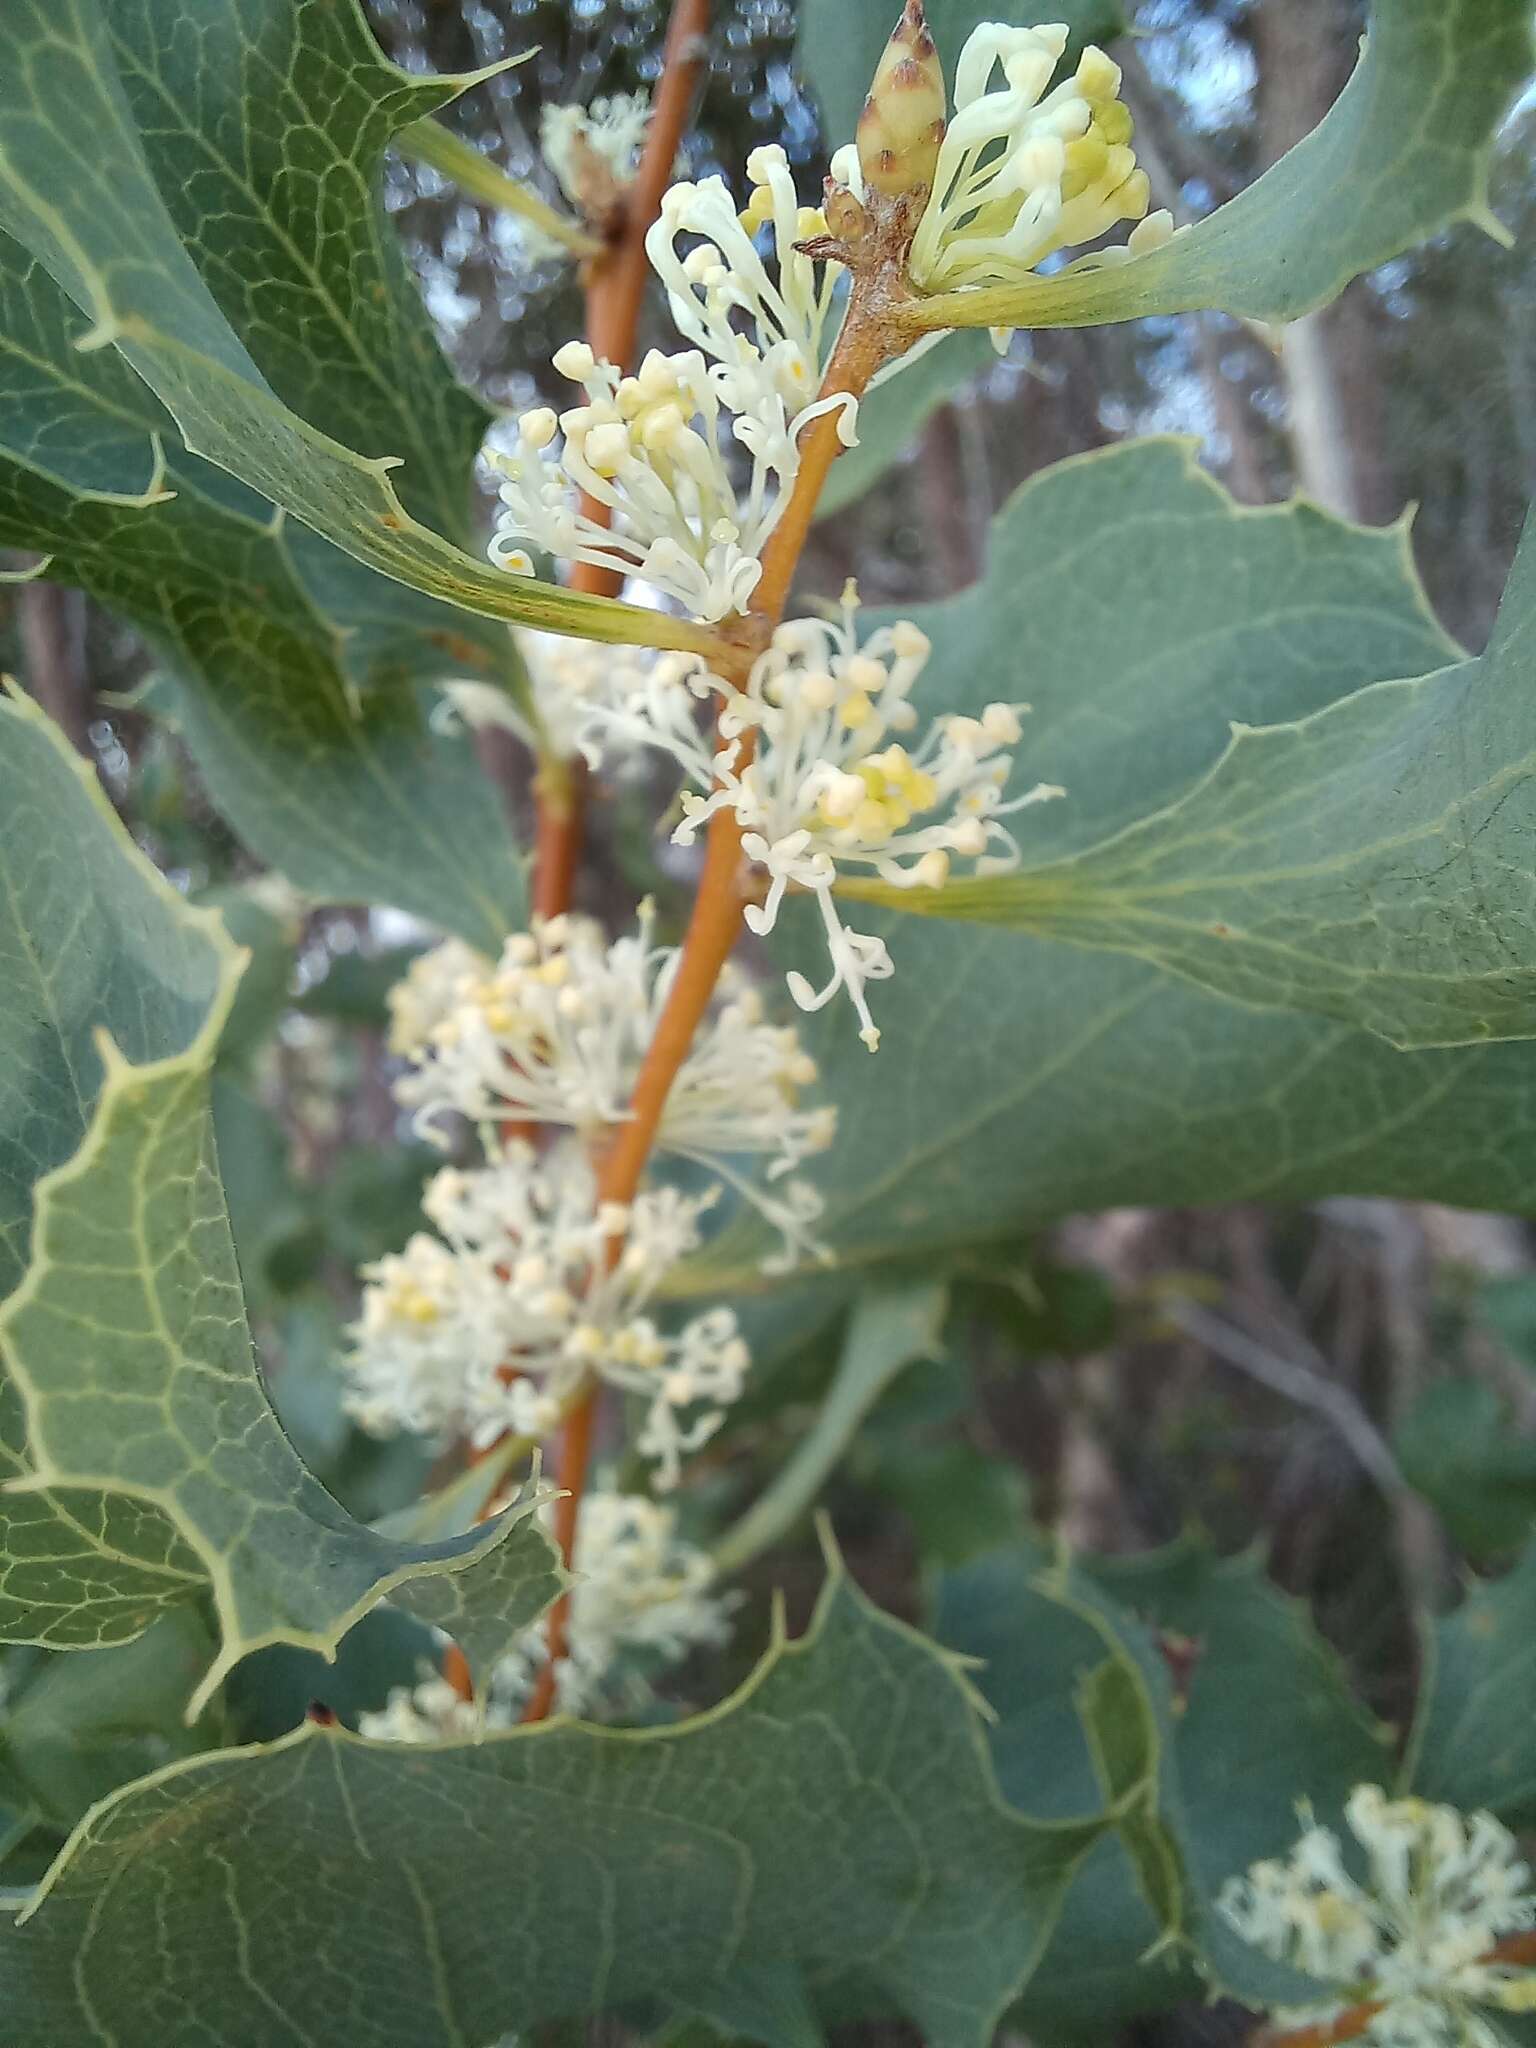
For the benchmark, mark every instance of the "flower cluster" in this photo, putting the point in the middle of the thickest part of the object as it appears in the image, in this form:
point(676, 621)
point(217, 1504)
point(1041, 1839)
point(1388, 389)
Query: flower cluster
point(565, 676)
point(555, 1032)
point(497, 1324)
point(1413, 1933)
point(818, 782)
point(1023, 172)
point(655, 449)
point(640, 1593)
point(788, 309)
point(607, 134)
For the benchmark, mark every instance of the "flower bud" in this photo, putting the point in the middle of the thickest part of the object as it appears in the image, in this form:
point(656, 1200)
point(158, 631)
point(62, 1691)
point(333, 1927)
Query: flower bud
point(902, 124)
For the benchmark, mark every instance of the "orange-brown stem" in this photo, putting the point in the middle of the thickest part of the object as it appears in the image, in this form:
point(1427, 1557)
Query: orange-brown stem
point(572, 1464)
point(716, 919)
point(615, 288)
point(1352, 2022)
point(456, 1671)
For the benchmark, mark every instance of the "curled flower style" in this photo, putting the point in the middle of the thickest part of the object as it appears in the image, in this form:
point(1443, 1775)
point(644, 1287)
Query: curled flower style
point(555, 1033)
point(829, 786)
point(496, 1325)
point(788, 308)
point(1022, 172)
point(655, 449)
point(1414, 1934)
point(641, 1594)
point(608, 134)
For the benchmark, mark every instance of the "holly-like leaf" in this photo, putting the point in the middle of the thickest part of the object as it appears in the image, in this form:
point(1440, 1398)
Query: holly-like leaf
point(1266, 1717)
point(128, 956)
point(1370, 862)
point(1253, 1710)
point(1069, 1691)
point(1474, 1742)
point(836, 1817)
point(292, 668)
point(83, 198)
point(142, 1458)
point(485, 1605)
point(1403, 153)
point(1020, 1079)
point(841, 40)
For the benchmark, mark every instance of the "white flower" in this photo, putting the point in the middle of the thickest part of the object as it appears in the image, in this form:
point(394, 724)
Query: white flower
point(430, 1711)
point(496, 1326)
point(788, 308)
point(640, 1591)
point(1023, 173)
point(555, 1033)
point(827, 787)
point(565, 676)
point(652, 448)
point(1413, 1932)
point(610, 131)
point(655, 448)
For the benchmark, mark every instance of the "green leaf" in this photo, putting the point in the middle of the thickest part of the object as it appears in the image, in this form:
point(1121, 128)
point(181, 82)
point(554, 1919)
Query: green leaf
point(890, 1328)
point(84, 199)
point(840, 41)
point(131, 1389)
point(128, 1344)
point(836, 1816)
point(1507, 1307)
point(1460, 1448)
point(1370, 862)
point(86, 1725)
point(487, 1604)
point(1042, 1647)
point(1021, 1079)
point(308, 736)
point(893, 415)
point(1403, 153)
point(271, 939)
point(1268, 1718)
point(960, 1503)
point(1474, 1742)
point(1265, 1717)
point(126, 955)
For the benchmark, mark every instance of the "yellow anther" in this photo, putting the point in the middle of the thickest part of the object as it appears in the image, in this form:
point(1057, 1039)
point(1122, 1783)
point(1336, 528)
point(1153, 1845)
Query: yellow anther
point(855, 710)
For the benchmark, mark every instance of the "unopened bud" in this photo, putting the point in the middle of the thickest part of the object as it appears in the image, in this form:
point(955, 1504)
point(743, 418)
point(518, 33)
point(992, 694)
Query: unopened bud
point(902, 124)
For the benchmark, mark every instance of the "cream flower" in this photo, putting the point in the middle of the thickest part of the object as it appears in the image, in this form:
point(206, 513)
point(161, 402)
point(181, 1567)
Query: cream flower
point(565, 676)
point(610, 131)
point(657, 448)
point(1412, 1933)
point(555, 1033)
point(788, 308)
point(495, 1326)
point(828, 785)
point(1022, 172)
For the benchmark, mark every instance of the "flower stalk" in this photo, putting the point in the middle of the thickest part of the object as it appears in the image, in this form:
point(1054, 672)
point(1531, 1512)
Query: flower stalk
point(615, 286)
